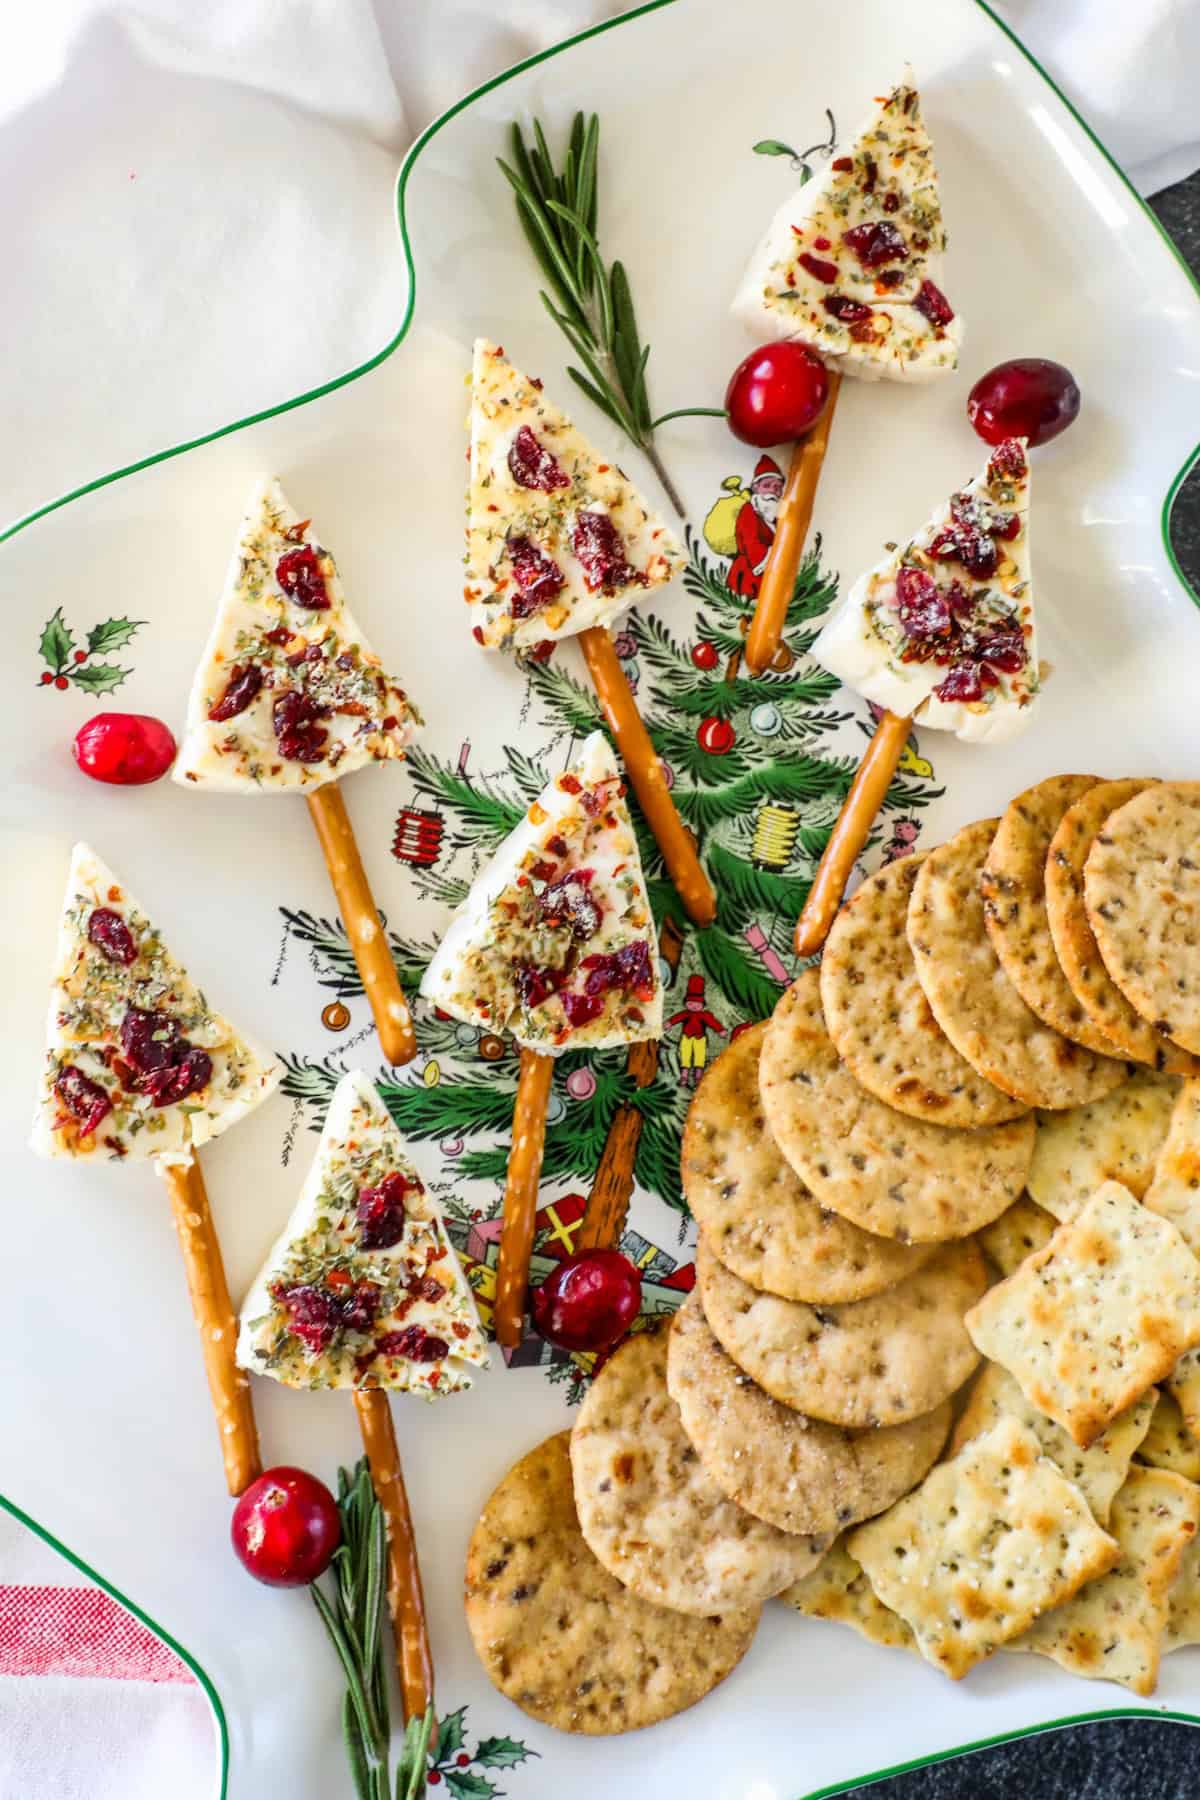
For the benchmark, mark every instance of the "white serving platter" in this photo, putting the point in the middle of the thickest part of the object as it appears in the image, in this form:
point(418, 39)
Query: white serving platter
point(108, 1443)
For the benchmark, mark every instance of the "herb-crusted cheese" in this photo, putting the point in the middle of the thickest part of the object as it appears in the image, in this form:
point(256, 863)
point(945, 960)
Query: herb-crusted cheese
point(555, 941)
point(289, 694)
point(127, 1031)
point(852, 263)
point(557, 537)
point(363, 1288)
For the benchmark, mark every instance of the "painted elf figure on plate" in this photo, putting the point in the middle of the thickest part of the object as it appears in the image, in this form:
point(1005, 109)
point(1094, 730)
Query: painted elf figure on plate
point(696, 1022)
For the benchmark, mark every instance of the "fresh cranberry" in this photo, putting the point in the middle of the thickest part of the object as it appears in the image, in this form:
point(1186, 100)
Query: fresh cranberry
point(295, 716)
point(414, 1343)
point(776, 394)
point(628, 969)
point(875, 244)
point(581, 1009)
point(109, 932)
point(538, 578)
point(302, 579)
point(819, 267)
point(380, 1215)
point(597, 543)
point(568, 902)
point(245, 681)
point(125, 749)
point(285, 1528)
point(532, 466)
point(588, 1301)
point(850, 312)
point(1007, 461)
point(536, 985)
point(933, 303)
point(83, 1098)
point(1028, 397)
point(923, 609)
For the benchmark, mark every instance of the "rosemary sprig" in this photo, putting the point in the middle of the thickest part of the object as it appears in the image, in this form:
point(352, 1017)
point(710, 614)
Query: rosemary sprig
point(353, 1617)
point(590, 301)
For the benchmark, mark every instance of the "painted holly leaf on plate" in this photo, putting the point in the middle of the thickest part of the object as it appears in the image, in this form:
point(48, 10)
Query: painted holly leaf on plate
point(500, 1752)
point(111, 634)
point(56, 642)
point(98, 678)
point(67, 665)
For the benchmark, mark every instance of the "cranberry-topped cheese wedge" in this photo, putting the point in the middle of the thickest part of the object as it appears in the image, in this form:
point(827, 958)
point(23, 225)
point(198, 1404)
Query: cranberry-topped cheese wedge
point(945, 624)
point(555, 941)
point(852, 262)
point(289, 694)
point(558, 538)
point(363, 1288)
point(137, 1062)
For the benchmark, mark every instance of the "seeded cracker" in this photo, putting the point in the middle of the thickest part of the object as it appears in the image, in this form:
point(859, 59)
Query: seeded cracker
point(1174, 1192)
point(1117, 1138)
point(838, 1589)
point(879, 1018)
point(973, 999)
point(887, 1172)
point(989, 1541)
point(1183, 1385)
point(559, 1636)
point(1169, 1444)
point(1024, 1228)
point(1098, 1316)
point(1097, 1472)
point(1183, 1609)
point(649, 1511)
point(1112, 1630)
point(759, 1218)
point(872, 1362)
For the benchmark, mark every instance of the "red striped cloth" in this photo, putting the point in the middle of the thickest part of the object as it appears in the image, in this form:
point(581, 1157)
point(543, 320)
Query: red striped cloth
point(80, 1631)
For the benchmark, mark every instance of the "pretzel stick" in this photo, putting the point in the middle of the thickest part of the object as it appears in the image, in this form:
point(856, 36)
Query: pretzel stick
point(381, 984)
point(406, 1601)
point(851, 830)
point(791, 529)
point(646, 776)
point(205, 1271)
point(521, 1195)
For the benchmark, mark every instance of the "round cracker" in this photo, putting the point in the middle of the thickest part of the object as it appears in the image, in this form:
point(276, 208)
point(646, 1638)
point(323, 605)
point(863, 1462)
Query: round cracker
point(972, 998)
point(884, 1170)
point(758, 1216)
point(1074, 940)
point(560, 1636)
point(880, 1361)
point(1013, 885)
point(795, 1472)
point(879, 1018)
point(650, 1511)
point(1141, 886)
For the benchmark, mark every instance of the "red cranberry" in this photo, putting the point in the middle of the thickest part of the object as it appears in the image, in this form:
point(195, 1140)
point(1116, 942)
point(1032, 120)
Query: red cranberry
point(628, 969)
point(380, 1215)
point(933, 303)
point(876, 244)
point(245, 681)
point(776, 394)
point(150, 1040)
point(581, 1009)
point(532, 466)
point(1007, 461)
point(109, 932)
point(819, 267)
point(1003, 646)
point(850, 312)
point(536, 985)
point(302, 579)
point(414, 1343)
point(588, 1301)
point(568, 902)
point(285, 1528)
point(1028, 397)
point(314, 1316)
point(126, 749)
point(538, 578)
point(295, 716)
point(962, 683)
point(192, 1072)
point(83, 1098)
point(924, 611)
point(597, 543)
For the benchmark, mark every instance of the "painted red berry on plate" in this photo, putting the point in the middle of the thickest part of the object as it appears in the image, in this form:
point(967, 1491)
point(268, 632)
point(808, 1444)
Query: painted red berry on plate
point(285, 1528)
point(705, 656)
point(589, 1301)
point(776, 394)
point(1029, 397)
point(60, 682)
point(125, 749)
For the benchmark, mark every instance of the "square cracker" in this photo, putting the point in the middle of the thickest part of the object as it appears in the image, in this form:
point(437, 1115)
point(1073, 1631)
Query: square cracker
point(1115, 1138)
point(1183, 1385)
point(1097, 1316)
point(1097, 1472)
point(1183, 1609)
point(1113, 1628)
point(1169, 1444)
point(1174, 1193)
point(988, 1542)
point(1021, 1229)
point(838, 1589)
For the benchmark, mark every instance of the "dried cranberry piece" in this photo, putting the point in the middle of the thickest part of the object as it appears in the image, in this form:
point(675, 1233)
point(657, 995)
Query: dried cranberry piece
point(875, 244)
point(532, 466)
point(295, 716)
point(964, 682)
point(109, 932)
point(414, 1343)
point(150, 1041)
point(818, 266)
point(1006, 526)
point(188, 1075)
point(245, 681)
point(923, 609)
point(302, 579)
point(359, 1308)
point(428, 1288)
point(597, 543)
point(314, 1316)
point(890, 278)
point(568, 902)
point(535, 986)
point(960, 602)
point(83, 1098)
point(891, 203)
point(965, 543)
point(849, 311)
point(581, 1009)
point(538, 578)
point(627, 969)
point(1007, 459)
point(933, 303)
point(380, 1215)
point(1003, 646)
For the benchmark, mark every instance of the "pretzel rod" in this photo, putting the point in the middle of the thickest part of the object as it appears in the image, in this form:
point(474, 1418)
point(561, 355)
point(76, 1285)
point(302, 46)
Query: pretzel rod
point(791, 529)
point(406, 1601)
point(646, 776)
point(521, 1194)
point(368, 941)
point(205, 1271)
point(851, 830)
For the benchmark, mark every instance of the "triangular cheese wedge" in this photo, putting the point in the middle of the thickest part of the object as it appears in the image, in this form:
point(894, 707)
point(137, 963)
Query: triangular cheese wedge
point(289, 694)
point(555, 941)
point(852, 262)
point(137, 1062)
point(945, 624)
point(363, 1288)
point(557, 536)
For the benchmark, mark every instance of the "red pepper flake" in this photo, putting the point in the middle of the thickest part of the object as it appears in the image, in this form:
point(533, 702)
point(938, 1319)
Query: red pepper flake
point(570, 784)
point(822, 243)
point(842, 163)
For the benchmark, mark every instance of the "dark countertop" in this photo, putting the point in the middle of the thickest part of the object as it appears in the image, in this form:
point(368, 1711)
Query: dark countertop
point(1114, 1759)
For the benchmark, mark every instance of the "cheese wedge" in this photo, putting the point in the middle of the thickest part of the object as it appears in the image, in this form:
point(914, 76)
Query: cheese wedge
point(852, 263)
point(363, 1288)
point(946, 622)
point(558, 538)
point(137, 1062)
point(289, 694)
point(555, 941)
